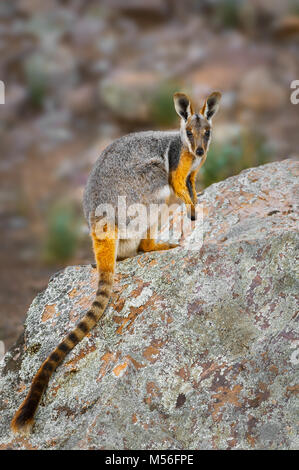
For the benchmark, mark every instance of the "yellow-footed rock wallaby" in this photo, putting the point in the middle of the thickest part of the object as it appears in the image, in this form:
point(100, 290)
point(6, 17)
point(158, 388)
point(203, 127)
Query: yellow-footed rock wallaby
point(145, 168)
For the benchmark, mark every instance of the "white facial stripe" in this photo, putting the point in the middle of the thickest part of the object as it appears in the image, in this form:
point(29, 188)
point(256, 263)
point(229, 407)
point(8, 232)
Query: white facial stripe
point(185, 138)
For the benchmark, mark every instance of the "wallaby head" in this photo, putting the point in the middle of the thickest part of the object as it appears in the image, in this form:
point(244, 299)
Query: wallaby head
point(196, 126)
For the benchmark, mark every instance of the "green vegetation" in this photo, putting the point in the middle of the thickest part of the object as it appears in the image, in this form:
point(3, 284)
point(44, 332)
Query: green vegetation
point(229, 159)
point(162, 110)
point(63, 234)
point(294, 7)
point(36, 79)
point(228, 13)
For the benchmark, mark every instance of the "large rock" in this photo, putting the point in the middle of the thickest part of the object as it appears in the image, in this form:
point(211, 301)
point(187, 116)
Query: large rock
point(198, 348)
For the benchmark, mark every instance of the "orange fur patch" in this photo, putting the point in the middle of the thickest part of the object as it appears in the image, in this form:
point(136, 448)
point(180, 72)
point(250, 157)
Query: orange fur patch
point(148, 244)
point(105, 250)
point(178, 177)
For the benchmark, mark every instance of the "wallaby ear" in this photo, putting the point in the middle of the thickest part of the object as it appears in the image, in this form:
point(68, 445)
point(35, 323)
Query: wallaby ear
point(211, 105)
point(182, 105)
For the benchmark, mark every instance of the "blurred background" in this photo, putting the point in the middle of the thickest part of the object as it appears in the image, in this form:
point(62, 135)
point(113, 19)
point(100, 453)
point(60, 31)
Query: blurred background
point(79, 73)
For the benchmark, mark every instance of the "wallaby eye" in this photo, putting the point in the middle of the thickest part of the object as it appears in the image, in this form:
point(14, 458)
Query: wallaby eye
point(207, 134)
point(189, 134)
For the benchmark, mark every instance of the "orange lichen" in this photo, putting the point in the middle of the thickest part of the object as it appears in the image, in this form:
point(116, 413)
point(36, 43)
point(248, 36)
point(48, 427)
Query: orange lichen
point(152, 390)
point(153, 262)
point(183, 373)
point(153, 350)
point(48, 312)
point(251, 440)
point(149, 352)
point(140, 286)
point(136, 364)
point(224, 396)
point(293, 390)
point(108, 358)
point(21, 387)
point(82, 304)
point(73, 292)
point(119, 305)
point(134, 313)
point(120, 369)
point(23, 441)
point(54, 390)
point(83, 353)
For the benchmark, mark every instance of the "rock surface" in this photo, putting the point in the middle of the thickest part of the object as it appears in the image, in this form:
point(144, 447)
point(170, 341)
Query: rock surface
point(198, 348)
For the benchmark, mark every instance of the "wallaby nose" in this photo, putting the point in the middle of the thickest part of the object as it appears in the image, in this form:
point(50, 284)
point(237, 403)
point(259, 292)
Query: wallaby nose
point(199, 151)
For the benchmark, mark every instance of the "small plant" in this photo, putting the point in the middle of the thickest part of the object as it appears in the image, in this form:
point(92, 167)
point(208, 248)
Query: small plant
point(62, 234)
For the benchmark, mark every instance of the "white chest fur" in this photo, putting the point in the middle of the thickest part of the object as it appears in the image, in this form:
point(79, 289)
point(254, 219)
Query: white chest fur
point(164, 192)
point(196, 163)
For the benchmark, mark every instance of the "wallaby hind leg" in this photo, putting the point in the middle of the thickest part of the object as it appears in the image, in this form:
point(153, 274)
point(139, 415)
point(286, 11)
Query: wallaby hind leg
point(150, 244)
point(105, 249)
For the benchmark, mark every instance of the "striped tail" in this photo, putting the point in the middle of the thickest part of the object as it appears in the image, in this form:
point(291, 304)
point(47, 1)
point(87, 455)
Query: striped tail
point(23, 420)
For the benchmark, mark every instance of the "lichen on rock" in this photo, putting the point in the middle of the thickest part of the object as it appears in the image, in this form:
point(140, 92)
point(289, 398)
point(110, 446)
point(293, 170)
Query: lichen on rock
point(198, 348)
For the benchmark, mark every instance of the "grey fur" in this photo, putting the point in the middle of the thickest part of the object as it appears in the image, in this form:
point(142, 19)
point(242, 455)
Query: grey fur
point(133, 166)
